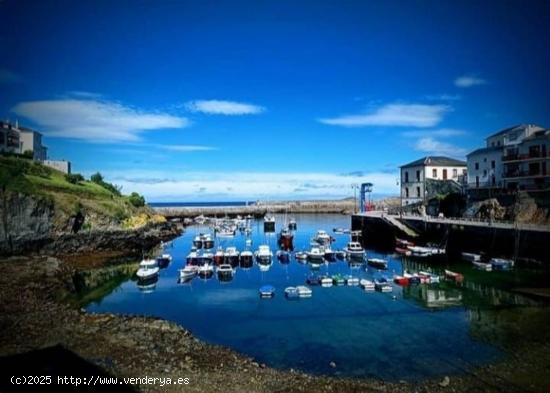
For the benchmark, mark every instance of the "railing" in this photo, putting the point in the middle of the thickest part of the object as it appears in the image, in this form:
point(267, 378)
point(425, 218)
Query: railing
point(519, 157)
point(513, 174)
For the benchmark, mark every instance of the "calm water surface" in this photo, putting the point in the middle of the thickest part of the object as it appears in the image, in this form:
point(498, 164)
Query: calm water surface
point(412, 333)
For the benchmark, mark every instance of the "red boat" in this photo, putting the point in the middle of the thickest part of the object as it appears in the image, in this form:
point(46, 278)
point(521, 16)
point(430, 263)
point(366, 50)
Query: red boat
point(403, 251)
point(400, 280)
point(452, 276)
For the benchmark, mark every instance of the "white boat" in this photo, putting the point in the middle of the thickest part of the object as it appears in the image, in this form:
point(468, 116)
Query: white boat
point(378, 263)
point(354, 250)
point(382, 285)
point(148, 270)
point(197, 242)
point(231, 256)
point(225, 270)
point(470, 257)
point(322, 237)
point(188, 272)
point(315, 254)
point(291, 293)
point(487, 267)
point(326, 281)
point(267, 291)
point(420, 252)
point(269, 223)
point(352, 281)
point(300, 255)
point(193, 257)
point(225, 232)
point(431, 278)
point(330, 255)
point(263, 254)
point(206, 270)
point(207, 241)
point(304, 291)
point(367, 285)
point(292, 224)
point(265, 266)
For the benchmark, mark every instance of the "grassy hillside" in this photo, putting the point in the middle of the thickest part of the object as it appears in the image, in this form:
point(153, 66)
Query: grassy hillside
point(100, 206)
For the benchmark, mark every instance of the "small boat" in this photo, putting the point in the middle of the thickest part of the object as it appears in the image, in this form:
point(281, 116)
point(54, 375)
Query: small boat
point(313, 280)
point(193, 257)
point(354, 250)
point(206, 257)
point(420, 252)
point(197, 242)
point(291, 293)
point(188, 272)
point(164, 260)
point(453, 276)
point(269, 223)
point(402, 243)
point(401, 280)
point(225, 232)
point(326, 281)
point(352, 281)
point(304, 291)
point(206, 270)
point(430, 278)
point(340, 254)
point(322, 237)
point(367, 285)
point(378, 263)
point(207, 241)
point(382, 285)
point(339, 231)
point(329, 255)
point(470, 257)
point(247, 259)
point(501, 264)
point(285, 238)
point(265, 266)
point(413, 279)
point(403, 251)
point(300, 255)
point(267, 291)
point(248, 242)
point(148, 270)
point(315, 254)
point(283, 256)
point(338, 279)
point(231, 256)
point(219, 256)
point(263, 254)
point(292, 224)
point(487, 267)
point(225, 272)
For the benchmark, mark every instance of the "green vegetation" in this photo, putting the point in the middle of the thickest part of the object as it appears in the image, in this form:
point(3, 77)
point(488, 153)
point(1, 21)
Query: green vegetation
point(101, 202)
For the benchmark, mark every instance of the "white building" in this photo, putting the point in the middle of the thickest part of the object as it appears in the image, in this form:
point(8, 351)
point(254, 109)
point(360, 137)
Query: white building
point(60, 165)
point(485, 168)
point(414, 176)
point(32, 141)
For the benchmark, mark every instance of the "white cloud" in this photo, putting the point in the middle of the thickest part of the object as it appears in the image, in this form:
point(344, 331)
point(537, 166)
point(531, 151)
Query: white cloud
point(220, 107)
point(95, 120)
point(247, 185)
point(469, 81)
point(411, 115)
point(433, 146)
point(186, 148)
point(442, 132)
point(7, 76)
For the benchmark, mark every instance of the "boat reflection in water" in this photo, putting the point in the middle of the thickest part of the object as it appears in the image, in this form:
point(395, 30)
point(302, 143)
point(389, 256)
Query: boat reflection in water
point(148, 286)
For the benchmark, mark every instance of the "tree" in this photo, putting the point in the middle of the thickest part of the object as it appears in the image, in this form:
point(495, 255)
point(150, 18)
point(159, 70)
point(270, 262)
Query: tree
point(136, 200)
point(28, 154)
point(97, 178)
point(74, 178)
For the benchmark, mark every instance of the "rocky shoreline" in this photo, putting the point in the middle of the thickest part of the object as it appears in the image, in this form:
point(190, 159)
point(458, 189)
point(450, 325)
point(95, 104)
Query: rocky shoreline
point(35, 312)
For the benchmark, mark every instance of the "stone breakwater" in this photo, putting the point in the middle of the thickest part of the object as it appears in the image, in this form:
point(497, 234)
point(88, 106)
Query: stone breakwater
point(35, 313)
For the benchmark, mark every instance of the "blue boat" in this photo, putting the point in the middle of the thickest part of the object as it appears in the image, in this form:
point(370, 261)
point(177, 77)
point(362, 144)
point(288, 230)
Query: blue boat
point(267, 291)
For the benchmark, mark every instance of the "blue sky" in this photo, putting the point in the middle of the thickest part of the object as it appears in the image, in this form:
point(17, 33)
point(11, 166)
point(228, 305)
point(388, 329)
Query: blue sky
point(214, 100)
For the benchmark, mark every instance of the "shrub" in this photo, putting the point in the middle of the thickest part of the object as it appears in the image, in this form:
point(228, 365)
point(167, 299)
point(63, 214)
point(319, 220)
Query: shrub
point(74, 178)
point(136, 200)
point(97, 178)
point(37, 169)
point(28, 154)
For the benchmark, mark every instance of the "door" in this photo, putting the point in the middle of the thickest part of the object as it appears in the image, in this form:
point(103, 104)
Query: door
point(444, 174)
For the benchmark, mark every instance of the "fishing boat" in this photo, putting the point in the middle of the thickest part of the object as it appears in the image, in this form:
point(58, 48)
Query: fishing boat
point(313, 280)
point(197, 242)
point(263, 254)
point(352, 281)
point(207, 241)
point(378, 263)
point(225, 232)
point(329, 254)
point(382, 285)
point(401, 280)
point(205, 271)
point(304, 291)
point(267, 291)
point(164, 260)
point(193, 257)
point(225, 272)
point(291, 293)
point(188, 272)
point(231, 256)
point(285, 238)
point(326, 281)
point(487, 267)
point(340, 254)
point(292, 224)
point(269, 223)
point(206, 257)
point(300, 255)
point(247, 259)
point(354, 250)
point(148, 270)
point(367, 285)
point(453, 276)
point(219, 256)
point(315, 254)
point(322, 237)
point(470, 257)
point(283, 256)
point(338, 279)
point(501, 264)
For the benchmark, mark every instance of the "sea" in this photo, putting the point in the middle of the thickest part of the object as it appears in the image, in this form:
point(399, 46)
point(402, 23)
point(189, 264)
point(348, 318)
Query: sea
point(202, 204)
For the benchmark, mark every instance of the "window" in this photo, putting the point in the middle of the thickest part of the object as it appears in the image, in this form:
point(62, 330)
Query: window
point(493, 180)
point(418, 192)
point(455, 173)
point(498, 143)
point(493, 164)
point(464, 172)
point(484, 172)
point(417, 175)
point(477, 181)
point(2, 138)
point(406, 192)
point(484, 159)
point(434, 173)
point(406, 177)
point(477, 166)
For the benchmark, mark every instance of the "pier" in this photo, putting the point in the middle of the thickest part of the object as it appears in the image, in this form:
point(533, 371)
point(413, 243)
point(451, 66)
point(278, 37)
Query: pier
point(497, 238)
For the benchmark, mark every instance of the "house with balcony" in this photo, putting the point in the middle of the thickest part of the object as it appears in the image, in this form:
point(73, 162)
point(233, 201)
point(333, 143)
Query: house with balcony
point(9, 138)
point(421, 179)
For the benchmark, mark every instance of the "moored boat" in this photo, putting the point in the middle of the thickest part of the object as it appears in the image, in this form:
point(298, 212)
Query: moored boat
point(367, 285)
point(219, 256)
point(193, 257)
point(304, 291)
point(283, 256)
point(247, 259)
point(292, 225)
point(148, 270)
point(197, 242)
point(300, 255)
point(313, 280)
point(354, 250)
point(263, 254)
point(502, 264)
point(382, 285)
point(338, 279)
point(326, 281)
point(315, 254)
point(322, 237)
point(401, 280)
point(205, 271)
point(267, 291)
point(188, 272)
point(164, 260)
point(453, 276)
point(269, 223)
point(225, 272)
point(231, 256)
point(329, 254)
point(378, 263)
point(352, 281)
point(487, 267)
point(207, 241)
point(291, 293)
point(470, 257)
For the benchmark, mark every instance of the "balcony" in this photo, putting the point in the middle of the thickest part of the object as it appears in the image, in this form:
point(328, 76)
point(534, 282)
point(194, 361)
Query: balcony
point(520, 174)
point(525, 157)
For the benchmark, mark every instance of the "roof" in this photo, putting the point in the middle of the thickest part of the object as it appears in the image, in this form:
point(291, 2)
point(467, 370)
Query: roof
point(485, 150)
point(517, 126)
point(541, 134)
point(435, 161)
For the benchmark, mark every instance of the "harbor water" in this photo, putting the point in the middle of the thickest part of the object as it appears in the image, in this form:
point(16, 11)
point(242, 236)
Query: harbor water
point(411, 333)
